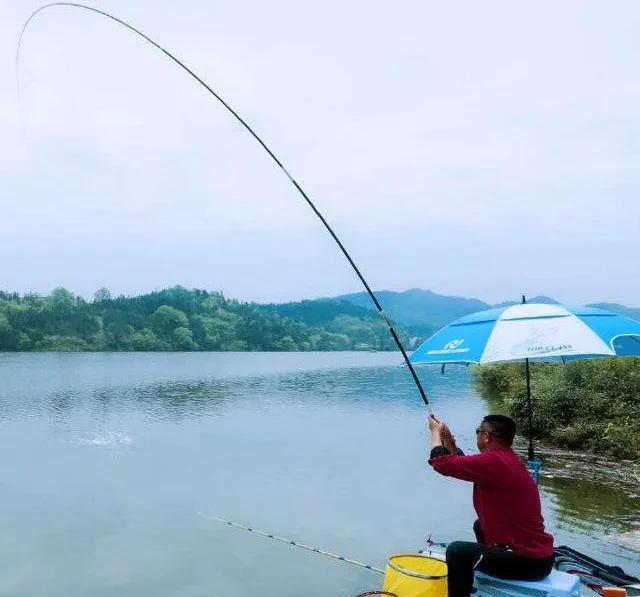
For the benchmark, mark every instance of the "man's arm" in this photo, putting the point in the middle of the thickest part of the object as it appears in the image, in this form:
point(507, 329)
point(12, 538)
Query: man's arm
point(448, 460)
point(479, 468)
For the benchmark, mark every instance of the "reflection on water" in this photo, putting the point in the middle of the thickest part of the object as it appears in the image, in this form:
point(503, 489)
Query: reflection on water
point(118, 459)
point(169, 400)
point(592, 507)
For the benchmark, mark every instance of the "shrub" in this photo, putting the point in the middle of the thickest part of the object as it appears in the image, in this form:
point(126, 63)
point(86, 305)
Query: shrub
point(591, 404)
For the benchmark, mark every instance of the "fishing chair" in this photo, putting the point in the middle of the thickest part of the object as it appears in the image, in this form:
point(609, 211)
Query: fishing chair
point(557, 584)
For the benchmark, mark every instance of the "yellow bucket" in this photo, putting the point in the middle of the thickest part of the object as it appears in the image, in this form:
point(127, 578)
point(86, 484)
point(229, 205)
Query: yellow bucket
point(416, 576)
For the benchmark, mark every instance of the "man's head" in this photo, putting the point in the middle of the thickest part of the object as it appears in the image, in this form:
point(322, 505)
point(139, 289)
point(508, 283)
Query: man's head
point(495, 430)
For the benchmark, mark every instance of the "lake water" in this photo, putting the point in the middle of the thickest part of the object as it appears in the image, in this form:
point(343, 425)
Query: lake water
point(114, 465)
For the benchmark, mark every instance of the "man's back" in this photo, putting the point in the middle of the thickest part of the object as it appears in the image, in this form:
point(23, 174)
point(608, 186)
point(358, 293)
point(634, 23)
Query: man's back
point(511, 540)
point(505, 498)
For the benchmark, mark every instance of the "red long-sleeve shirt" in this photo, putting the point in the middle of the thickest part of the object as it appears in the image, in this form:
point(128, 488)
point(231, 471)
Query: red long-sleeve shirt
point(505, 498)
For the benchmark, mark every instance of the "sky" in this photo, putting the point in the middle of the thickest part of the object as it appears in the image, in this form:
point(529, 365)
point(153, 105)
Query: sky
point(481, 149)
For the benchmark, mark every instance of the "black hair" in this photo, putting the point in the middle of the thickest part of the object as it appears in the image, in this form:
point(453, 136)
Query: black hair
point(502, 427)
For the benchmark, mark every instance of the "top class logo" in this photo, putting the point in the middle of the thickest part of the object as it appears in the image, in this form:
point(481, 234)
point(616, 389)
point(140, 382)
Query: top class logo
point(550, 348)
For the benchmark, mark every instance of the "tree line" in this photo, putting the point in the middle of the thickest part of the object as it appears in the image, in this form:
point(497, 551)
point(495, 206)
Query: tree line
point(176, 319)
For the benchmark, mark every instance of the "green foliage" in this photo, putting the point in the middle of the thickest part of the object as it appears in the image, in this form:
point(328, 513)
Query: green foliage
point(286, 343)
point(182, 319)
point(182, 339)
point(358, 310)
point(145, 340)
point(102, 294)
point(330, 341)
point(320, 311)
point(166, 320)
point(62, 344)
point(7, 335)
point(591, 404)
point(62, 301)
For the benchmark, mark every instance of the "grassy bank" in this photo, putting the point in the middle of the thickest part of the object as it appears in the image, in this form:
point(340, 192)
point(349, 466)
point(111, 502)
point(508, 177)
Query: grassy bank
point(591, 405)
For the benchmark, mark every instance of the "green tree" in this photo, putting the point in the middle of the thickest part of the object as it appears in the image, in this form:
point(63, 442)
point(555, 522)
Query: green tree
point(285, 344)
point(119, 334)
point(102, 294)
point(219, 332)
point(63, 344)
point(212, 303)
point(183, 339)
point(24, 342)
point(145, 340)
point(359, 331)
point(7, 334)
point(165, 320)
point(330, 341)
point(62, 301)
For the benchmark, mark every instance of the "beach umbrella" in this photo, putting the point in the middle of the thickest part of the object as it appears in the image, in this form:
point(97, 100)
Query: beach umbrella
point(529, 331)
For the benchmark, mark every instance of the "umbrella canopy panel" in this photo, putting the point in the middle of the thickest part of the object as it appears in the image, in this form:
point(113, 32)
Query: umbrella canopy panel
point(531, 331)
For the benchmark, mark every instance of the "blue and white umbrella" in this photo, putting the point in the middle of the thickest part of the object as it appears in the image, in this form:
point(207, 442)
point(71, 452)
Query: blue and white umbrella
point(531, 331)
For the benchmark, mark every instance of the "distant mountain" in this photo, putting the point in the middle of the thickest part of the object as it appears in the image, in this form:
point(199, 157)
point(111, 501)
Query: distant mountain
point(633, 312)
point(420, 312)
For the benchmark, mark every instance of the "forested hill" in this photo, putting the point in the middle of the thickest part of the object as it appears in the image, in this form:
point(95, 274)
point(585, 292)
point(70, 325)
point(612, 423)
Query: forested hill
point(179, 319)
point(320, 311)
point(182, 319)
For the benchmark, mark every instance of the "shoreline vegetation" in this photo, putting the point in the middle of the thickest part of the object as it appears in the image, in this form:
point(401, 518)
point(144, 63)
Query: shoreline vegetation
point(180, 319)
point(590, 405)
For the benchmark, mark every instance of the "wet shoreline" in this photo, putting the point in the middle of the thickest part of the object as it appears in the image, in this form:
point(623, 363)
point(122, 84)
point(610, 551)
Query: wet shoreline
point(622, 474)
point(602, 493)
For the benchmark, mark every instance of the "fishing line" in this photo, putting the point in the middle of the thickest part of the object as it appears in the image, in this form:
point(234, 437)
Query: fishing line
point(264, 146)
point(295, 544)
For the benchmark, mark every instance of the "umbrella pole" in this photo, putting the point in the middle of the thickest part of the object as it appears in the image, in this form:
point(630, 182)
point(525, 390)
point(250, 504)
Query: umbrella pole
point(529, 408)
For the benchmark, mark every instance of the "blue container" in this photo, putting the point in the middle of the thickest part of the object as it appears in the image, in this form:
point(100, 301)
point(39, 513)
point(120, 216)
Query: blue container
point(535, 466)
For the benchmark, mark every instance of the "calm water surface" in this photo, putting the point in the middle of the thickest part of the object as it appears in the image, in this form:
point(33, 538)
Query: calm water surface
point(114, 464)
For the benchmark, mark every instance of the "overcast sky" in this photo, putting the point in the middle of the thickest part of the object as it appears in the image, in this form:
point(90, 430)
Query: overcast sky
point(475, 148)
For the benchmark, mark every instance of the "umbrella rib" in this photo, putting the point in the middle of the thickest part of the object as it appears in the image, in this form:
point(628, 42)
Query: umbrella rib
point(558, 316)
point(478, 321)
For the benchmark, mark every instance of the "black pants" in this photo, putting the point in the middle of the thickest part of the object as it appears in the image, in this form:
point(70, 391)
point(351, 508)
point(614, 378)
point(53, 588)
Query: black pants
point(463, 557)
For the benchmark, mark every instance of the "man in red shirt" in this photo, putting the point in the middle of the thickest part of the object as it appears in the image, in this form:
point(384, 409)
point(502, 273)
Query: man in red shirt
point(512, 542)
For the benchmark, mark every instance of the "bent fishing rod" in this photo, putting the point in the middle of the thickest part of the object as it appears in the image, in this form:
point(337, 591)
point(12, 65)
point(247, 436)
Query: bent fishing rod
point(264, 146)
